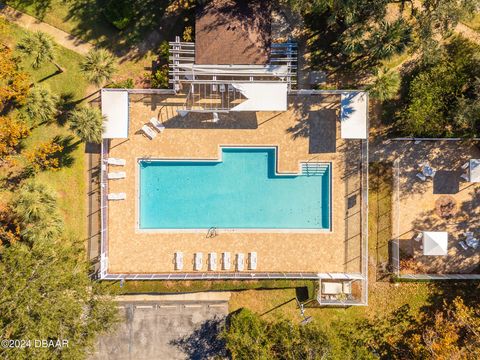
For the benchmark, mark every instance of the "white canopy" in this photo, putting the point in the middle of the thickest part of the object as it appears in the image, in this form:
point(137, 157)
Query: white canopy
point(115, 110)
point(435, 243)
point(262, 96)
point(474, 170)
point(353, 115)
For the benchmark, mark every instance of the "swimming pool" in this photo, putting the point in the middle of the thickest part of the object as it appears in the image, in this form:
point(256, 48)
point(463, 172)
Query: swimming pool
point(240, 191)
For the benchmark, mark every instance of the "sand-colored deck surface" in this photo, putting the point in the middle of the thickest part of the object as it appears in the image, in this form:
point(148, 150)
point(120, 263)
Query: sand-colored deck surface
point(417, 206)
point(309, 130)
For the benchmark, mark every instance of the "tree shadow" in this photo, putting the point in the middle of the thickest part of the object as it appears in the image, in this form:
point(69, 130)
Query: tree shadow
point(14, 179)
point(65, 158)
point(40, 7)
point(204, 342)
point(65, 106)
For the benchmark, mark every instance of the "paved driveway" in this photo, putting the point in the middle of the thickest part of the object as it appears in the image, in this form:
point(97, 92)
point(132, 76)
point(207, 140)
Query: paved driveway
point(165, 330)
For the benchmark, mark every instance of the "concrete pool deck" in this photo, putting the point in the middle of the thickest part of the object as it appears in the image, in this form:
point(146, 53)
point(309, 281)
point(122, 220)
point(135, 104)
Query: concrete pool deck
point(308, 131)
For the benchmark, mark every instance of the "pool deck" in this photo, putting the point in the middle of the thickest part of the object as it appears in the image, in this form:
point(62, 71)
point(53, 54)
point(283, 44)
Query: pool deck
point(308, 131)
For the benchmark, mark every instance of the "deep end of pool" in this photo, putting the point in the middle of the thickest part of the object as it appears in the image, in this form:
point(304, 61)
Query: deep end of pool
point(242, 190)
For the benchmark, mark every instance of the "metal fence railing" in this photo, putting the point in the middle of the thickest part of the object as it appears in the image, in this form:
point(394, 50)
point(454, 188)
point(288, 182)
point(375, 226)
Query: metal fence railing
point(103, 209)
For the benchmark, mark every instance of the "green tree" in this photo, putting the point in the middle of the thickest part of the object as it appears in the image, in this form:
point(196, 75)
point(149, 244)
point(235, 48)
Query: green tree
point(41, 47)
point(250, 337)
point(99, 66)
point(41, 105)
point(46, 293)
point(87, 123)
point(34, 207)
point(385, 85)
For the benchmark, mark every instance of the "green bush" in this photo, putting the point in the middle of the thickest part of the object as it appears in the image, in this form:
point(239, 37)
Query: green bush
point(159, 79)
point(124, 84)
point(119, 13)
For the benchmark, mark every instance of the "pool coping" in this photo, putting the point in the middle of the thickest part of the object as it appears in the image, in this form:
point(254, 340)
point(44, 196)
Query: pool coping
point(219, 159)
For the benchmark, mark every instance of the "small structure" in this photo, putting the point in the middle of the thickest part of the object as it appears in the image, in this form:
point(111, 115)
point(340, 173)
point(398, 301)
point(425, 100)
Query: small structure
point(435, 243)
point(474, 170)
point(353, 115)
point(115, 111)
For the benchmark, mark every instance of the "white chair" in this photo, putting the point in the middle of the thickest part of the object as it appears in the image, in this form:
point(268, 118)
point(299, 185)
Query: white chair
point(465, 177)
point(466, 165)
point(116, 175)
point(463, 245)
point(148, 131)
point(157, 124)
point(178, 260)
point(115, 161)
point(212, 261)
point(226, 261)
point(421, 176)
point(419, 237)
point(198, 261)
point(117, 196)
point(240, 260)
point(252, 260)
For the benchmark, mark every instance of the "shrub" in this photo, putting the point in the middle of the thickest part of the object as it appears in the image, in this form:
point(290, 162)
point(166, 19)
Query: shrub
point(159, 79)
point(45, 157)
point(119, 13)
point(124, 84)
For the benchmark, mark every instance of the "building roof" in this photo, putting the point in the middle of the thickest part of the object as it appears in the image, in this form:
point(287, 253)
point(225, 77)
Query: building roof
point(115, 110)
point(435, 243)
point(233, 32)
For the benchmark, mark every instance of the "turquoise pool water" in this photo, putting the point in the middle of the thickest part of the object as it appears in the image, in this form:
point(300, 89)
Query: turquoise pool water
point(242, 191)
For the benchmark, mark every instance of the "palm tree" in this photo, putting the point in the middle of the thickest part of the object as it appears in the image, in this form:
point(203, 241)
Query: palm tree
point(385, 86)
point(41, 47)
point(98, 66)
point(87, 123)
point(35, 209)
point(41, 105)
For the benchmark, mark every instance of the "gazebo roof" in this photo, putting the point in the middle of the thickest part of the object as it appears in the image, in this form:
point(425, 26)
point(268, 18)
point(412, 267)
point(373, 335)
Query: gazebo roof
point(233, 32)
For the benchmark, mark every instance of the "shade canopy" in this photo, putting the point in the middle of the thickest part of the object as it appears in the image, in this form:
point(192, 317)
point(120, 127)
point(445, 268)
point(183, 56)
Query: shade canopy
point(435, 243)
point(262, 96)
point(474, 170)
point(115, 110)
point(353, 115)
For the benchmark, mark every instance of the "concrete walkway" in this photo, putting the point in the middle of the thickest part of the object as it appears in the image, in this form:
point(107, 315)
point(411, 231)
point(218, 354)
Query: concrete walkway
point(30, 23)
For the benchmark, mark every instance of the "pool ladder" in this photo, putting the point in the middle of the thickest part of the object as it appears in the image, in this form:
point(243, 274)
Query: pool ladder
point(212, 232)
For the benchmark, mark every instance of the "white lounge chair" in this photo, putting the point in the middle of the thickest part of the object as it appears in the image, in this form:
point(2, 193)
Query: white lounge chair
point(178, 260)
point(252, 261)
point(116, 161)
point(466, 165)
point(463, 245)
point(148, 131)
point(198, 261)
point(157, 124)
point(212, 261)
point(419, 237)
point(240, 260)
point(465, 177)
point(117, 196)
point(116, 175)
point(421, 176)
point(226, 261)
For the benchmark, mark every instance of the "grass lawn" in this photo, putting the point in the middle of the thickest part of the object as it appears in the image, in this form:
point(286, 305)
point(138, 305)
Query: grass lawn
point(69, 182)
point(384, 296)
point(473, 22)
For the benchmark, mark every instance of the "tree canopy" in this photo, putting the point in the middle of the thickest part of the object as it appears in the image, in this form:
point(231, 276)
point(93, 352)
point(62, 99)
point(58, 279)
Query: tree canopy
point(14, 83)
point(99, 66)
point(87, 123)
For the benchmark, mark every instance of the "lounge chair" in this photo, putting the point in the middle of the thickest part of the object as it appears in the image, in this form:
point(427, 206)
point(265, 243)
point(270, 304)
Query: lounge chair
point(465, 177)
point(421, 176)
point(240, 260)
point(226, 261)
point(116, 175)
point(419, 237)
point(178, 260)
point(198, 261)
point(466, 165)
point(212, 261)
point(148, 131)
point(463, 245)
point(115, 161)
point(252, 260)
point(117, 196)
point(157, 124)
